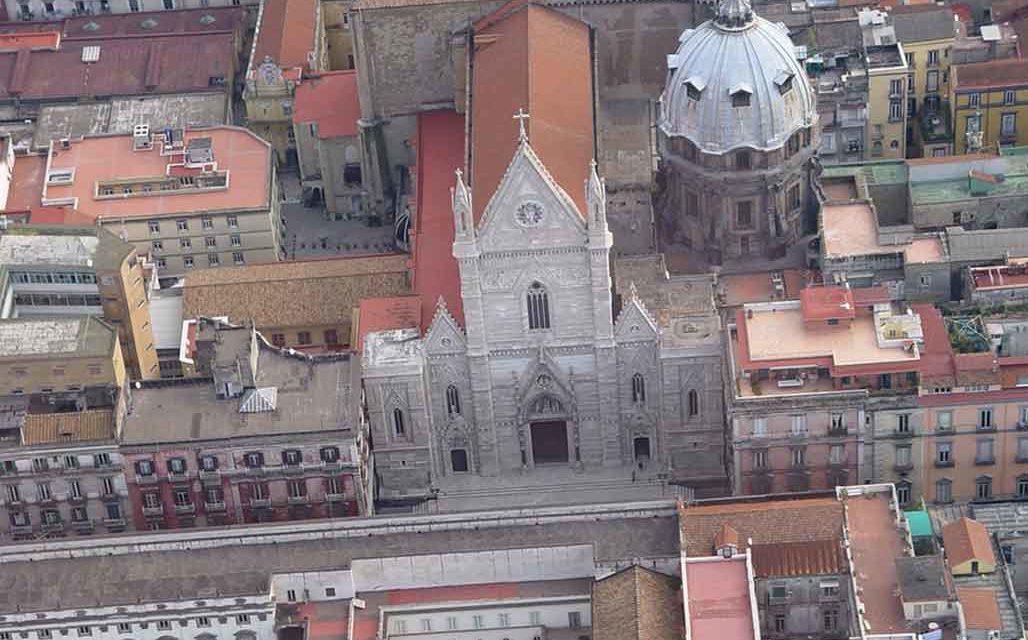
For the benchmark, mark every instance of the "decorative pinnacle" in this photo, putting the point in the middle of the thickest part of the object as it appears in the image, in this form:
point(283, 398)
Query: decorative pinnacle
point(521, 116)
point(734, 13)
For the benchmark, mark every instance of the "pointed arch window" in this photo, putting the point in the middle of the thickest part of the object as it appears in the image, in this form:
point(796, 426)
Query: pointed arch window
point(452, 401)
point(638, 388)
point(538, 307)
point(693, 403)
point(399, 423)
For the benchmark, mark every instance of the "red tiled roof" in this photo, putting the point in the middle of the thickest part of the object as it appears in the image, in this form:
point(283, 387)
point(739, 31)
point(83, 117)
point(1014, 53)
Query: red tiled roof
point(866, 296)
point(719, 604)
point(383, 314)
point(102, 27)
point(59, 215)
point(769, 522)
point(26, 183)
point(981, 610)
point(491, 591)
point(286, 33)
point(876, 544)
point(936, 354)
point(44, 40)
point(806, 558)
point(1009, 72)
point(534, 58)
point(440, 152)
point(726, 536)
point(330, 101)
point(967, 539)
point(827, 303)
point(974, 361)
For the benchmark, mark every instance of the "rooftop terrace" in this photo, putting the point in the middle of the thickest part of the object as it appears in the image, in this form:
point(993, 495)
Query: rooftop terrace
point(45, 337)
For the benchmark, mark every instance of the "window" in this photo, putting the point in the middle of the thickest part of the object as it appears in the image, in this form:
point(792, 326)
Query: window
point(478, 621)
point(331, 337)
point(232, 221)
point(208, 463)
point(638, 388)
point(793, 197)
point(399, 428)
point(1008, 125)
point(201, 621)
point(744, 215)
point(973, 100)
point(538, 307)
point(760, 458)
point(206, 222)
point(151, 500)
point(135, 6)
point(944, 491)
point(426, 624)
point(182, 225)
point(297, 488)
point(829, 590)
point(451, 623)
point(984, 452)
point(238, 258)
point(235, 240)
point(779, 623)
point(243, 618)
point(213, 260)
point(895, 111)
point(837, 454)
point(944, 420)
point(329, 454)
point(831, 619)
point(902, 456)
point(144, 468)
point(183, 498)
point(278, 339)
point(452, 401)
point(107, 486)
point(743, 161)
point(303, 338)
point(154, 226)
point(124, 627)
point(75, 489)
point(903, 423)
point(896, 87)
point(1022, 486)
point(741, 98)
point(903, 492)
point(799, 424)
point(185, 243)
point(1009, 97)
point(177, 466)
point(932, 81)
point(187, 262)
point(574, 620)
point(799, 456)
point(944, 453)
point(157, 245)
point(85, 630)
point(254, 460)
point(210, 242)
point(291, 458)
point(983, 488)
point(985, 418)
point(692, 90)
point(760, 427)
point(693, 403)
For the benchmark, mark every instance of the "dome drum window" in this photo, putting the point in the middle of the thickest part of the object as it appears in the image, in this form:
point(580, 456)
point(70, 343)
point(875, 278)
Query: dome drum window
point(784, 82)
point(741, 94)
point(694, 87)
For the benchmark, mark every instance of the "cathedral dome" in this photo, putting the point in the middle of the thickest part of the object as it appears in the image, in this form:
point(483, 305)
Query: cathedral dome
point(735, 82)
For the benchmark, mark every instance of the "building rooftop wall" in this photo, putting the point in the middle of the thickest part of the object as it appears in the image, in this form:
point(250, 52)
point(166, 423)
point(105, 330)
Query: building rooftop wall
point(95, 425)
point(924, 25)
point(383, 314)
point(286, 33)
point(923, 579)
point(36, 245)
point(246, 157)
point(73, 337)
point(981, 610)
point(1010, 72)
point(719, 604)
point(330, 101)
point(851, 230)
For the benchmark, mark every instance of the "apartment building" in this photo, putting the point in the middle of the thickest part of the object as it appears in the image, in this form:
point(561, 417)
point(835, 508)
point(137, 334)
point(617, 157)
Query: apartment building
point(189, 199)
point(288, 44)
point(73, 270)
point(805, 378)
point(62, 393)
point(885, 64)
point(261, 435)
point(990, 105)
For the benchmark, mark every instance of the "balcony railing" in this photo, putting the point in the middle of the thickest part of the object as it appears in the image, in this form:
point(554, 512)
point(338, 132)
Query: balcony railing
point(292, 469)
point(82, 525)
point(943, 463)
point(214, 506)
point(985, 460)
point(153, 511)
point(299, 499)
point(209, 475)
point(178, 476)
point(53, 527)
point(185, 508)
point(114, 523)
point(260, 503)
point(147, 479)
point(335, 497)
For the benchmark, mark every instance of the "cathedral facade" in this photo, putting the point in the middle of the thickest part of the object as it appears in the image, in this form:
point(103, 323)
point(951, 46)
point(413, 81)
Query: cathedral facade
point(543, 373)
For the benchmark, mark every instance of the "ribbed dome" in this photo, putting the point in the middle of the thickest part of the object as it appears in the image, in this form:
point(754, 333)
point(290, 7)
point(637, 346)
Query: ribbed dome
point(735, 60)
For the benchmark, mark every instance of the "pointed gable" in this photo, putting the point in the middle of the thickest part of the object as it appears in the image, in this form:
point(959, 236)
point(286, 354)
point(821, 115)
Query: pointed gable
point(534, 58)
point(444, 334)
point(634, 322)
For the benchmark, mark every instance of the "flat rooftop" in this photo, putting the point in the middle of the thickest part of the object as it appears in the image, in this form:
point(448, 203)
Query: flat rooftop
point(719, 605)
point(850, 230)
point(246, 157)
point(884, 56)
point(776, 335)
point(27, 338)
point(876, 545)
point(68, 251)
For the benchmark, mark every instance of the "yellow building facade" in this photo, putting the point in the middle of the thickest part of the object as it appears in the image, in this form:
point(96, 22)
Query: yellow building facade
point(990, 105)
point(887, 73)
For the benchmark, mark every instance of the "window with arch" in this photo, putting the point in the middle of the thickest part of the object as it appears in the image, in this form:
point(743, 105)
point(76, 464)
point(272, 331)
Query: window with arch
point(1022, 485)
point(693, 403)
point(538, 307)
point(399, 426)
point(452, 401)
point(638, 388)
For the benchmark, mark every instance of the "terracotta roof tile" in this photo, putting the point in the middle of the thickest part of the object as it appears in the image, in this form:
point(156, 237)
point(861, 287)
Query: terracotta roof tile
point(637, 604)
point(80, 426)
point(286, 33)
point(997, 73)
point(807, 558)
point(967, 539)
point(981, 610)
point(330, 101)
point(293, 294)
point(537, 59)
point(440, 152)
point(383, 314)
point(26, 182)
point(771, 522)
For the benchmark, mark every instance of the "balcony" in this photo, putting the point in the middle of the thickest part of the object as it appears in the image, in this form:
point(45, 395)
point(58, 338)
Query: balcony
point(903, 466)
point(335, 497)
point(299, 499)
point(836, 432)
point(986, 428)
point(79, 499)
point(935, 124)
point(985, 461)
point(943, 463)
point(214, 506)
point(292, 469)
point(21, 529)
point(903, 433)
point(114, 523)
point(1022, 425)
point(82, 526)
point(182, 476)
point(153, 511)
point(53, 527)
point(260, 503)
point(332, 467)
point(147, 479)
point(209, 475)
point(185, 508)
point(254, 471)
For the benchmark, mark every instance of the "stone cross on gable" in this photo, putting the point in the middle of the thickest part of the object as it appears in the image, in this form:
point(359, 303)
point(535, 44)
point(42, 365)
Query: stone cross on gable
point(521, 116)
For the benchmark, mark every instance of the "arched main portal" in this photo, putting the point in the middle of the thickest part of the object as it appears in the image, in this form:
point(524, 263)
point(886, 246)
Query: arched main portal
point(549, 432)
